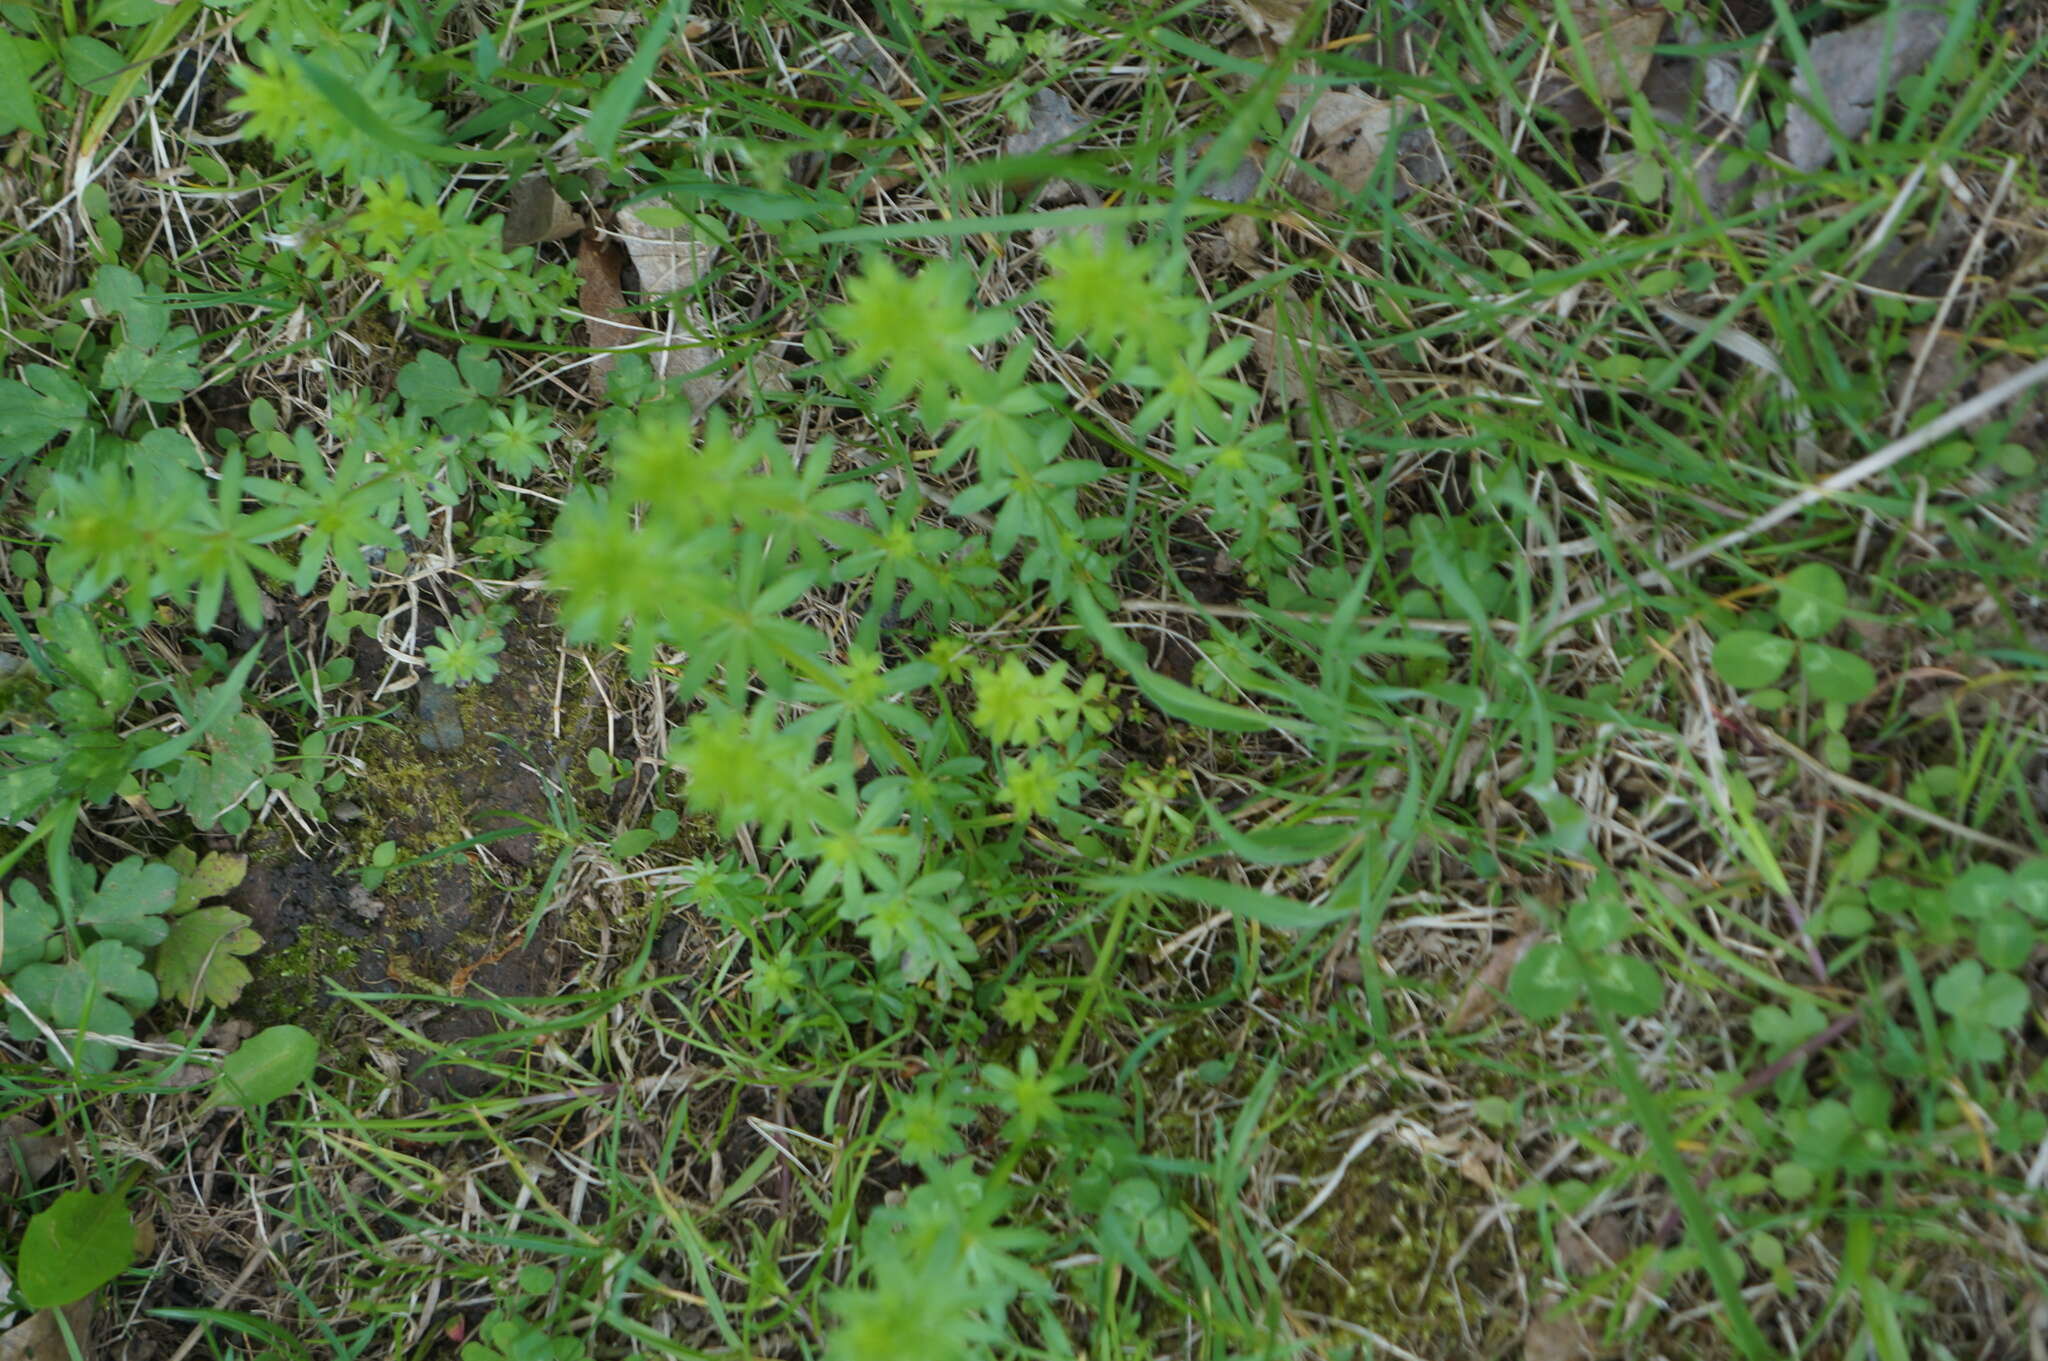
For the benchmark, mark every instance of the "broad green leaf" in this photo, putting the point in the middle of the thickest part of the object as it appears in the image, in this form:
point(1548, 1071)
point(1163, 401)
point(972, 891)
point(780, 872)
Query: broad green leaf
point(1979, 891)
point(89, 62)
point(270, 1064)
point(81, 1242)
point(2030, 888)
point(197, 962)
point(1546, 982)
point(1782, 1029)
point(1598, 922)
point(1834, 674)
point(20, 59)
point(2005, 939)
point(130, 903)
point(1749, 660)
point(33, 930)
point(214, 876)
point(1812, 599)
point(1624, 984)
point(100, 992)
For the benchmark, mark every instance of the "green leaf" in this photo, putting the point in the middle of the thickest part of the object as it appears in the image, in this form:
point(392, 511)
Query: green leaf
point(1173, 698)
point(1268, 909)
point(2005, 939)
point(89, 62)
point(33, 932)
point(1749, 660)
point(214, 876)
point(270, 1064)
point(101, 992)
point(1624, 984)
point(609, 111)
point(1834, 674)
point(20, 60)
point(130, 903)
point(1598, 922)
point(1546, 982)
point(2030, 888)
point(32, 413)
point(1812, 599)
point(197, 962)
point(81, 1242)
point(1979, 891)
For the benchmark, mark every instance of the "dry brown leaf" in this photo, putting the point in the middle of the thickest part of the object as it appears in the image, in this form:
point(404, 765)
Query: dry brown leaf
point(1605, 66)
point(671, 261)
point(602, 303)
point(1557, 1334)
point(1482, 995)
point(534, 212)
point(1348, 135)
point(1289, 348)
point(1273, 20)
point(38, 1338)
point(1849, 68)
point(23, 1151)
point(1050, 119)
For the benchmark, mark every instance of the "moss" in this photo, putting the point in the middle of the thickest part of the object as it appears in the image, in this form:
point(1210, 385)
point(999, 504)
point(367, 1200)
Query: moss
point(291, 985)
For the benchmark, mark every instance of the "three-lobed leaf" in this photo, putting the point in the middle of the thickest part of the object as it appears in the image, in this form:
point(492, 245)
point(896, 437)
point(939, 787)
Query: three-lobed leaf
point(1812, 599)
point(1749, 660)
point(130, 903)
point(197, 962)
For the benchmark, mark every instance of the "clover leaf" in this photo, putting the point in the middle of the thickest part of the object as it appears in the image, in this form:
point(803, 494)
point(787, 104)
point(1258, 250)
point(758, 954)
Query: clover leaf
point(1812, 600)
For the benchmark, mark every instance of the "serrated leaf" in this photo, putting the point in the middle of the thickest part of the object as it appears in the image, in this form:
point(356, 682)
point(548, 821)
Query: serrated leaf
point(33, 930)
point(270, 1064)
point(1834, 674)
point(100, 992)
point(1749, 660)
point(130, 903)
point(1812, 599)
point(81, 1242)
point(1546, 983)
point(197, 961)
point(213, 877)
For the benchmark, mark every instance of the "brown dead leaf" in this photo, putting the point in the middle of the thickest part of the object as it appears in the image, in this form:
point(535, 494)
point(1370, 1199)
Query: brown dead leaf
point(1301, 371)
point(1604, 66)
point(38, 1338)
point(1348, 133)
point(1482, 995)
point(24, 1154)
point(535, 212)
point(1558, 1334)
point(1049, 119)
point(1273, 20)
point(603, 304)
point(671, 261)
point(1848, 69)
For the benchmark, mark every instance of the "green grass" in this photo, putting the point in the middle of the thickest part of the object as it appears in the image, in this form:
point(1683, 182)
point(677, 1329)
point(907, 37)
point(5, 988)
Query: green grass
point(1356, 885)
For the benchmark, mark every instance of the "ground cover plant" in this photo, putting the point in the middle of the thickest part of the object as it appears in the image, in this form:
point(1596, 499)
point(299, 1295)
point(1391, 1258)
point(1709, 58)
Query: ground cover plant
point(1009, 678)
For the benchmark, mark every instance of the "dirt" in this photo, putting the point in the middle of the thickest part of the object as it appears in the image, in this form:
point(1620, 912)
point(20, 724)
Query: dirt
point(448, 919)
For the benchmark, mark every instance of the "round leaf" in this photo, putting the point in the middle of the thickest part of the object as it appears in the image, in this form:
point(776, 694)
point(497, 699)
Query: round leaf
point(1546, 982)
point(1749, 660)
point(1812, 599)
point(1834, 674)
point(1624, 984)
point(2005, 939)
point(1979, 891)
point(270, 1064)
point(81, 1242)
